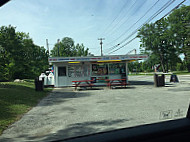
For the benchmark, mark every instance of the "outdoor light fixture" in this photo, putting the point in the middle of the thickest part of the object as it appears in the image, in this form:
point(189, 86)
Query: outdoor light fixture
point(110, 61)
point(74, 62)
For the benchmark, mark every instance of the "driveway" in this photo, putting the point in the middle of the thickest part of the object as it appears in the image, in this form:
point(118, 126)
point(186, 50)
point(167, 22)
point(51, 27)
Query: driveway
point(66, 113)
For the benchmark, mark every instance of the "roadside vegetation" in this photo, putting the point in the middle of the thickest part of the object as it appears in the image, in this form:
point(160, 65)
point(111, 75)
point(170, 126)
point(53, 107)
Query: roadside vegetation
point(166, 40)
point(152, 73)
point(20, 58)
point(17, 99)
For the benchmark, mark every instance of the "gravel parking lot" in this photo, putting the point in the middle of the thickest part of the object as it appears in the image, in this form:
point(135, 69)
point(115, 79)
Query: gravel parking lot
point(66, 113)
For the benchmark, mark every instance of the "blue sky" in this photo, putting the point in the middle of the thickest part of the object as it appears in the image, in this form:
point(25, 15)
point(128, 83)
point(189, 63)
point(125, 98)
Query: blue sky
point(83, 20)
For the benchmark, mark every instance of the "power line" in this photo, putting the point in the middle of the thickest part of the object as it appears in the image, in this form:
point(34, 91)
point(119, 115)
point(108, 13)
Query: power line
point(120, 20)
point(137, 20)
point(115, 17)
point(159, 19)
point(123, 45)
point(151, 18)
point(173, 9)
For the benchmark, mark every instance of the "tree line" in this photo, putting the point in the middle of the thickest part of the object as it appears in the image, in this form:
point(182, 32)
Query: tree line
point(165, 40)
point(20, 58)
point(67, 48)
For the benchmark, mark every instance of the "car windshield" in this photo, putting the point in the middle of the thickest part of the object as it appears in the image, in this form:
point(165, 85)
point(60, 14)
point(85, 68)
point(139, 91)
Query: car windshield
point(72, 68)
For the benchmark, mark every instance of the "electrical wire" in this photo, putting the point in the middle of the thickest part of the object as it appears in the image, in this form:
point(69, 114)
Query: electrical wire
point(115, 26)
point(115, 17)
point(159, 19)
point(138, 19)
point(150, 19)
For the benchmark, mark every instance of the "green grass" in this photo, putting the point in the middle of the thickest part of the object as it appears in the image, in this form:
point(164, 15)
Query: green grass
point(141, 74)
point(16, 99)
point(181, 72)
point(152, 73)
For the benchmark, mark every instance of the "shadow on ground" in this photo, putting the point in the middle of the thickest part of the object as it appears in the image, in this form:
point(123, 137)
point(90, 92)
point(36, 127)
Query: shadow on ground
point(60, 97)
point(128, 87)
point(141, 83)
point(86, 89)
point(74, 130)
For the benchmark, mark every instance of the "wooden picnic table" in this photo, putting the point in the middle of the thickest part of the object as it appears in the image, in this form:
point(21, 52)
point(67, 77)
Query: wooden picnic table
point(116, 82)
point(83, 83)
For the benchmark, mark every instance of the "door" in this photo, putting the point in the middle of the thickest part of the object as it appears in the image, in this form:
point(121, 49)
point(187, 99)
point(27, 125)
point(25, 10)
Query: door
point(62, 76)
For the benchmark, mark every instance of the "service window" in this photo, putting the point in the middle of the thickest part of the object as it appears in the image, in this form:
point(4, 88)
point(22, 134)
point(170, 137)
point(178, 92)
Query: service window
point(99, 69)
point(62, 71)
point(116, 68)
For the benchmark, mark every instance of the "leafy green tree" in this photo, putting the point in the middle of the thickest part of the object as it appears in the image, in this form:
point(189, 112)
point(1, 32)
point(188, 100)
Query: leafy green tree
point(6, 65)
point(80, 50)
point(40, 60)
point(167, 38)
point(157, 38)
point(151, 36)
point(67, 48)
point(19, 56)
point(180, 27)
point(8, 41)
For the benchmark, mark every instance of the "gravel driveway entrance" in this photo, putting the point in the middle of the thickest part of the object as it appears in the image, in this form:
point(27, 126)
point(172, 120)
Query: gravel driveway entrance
point(66, 113)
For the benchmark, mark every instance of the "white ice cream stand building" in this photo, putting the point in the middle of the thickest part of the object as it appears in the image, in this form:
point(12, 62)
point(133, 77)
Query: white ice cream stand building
point(68, 69)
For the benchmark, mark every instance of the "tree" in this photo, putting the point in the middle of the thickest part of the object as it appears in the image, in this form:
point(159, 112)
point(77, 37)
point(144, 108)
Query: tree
point(80, 50)
point(67, 48)
point(153, 38)
point(167, 38)
point(19, 56)
point(8, 45)
point(180, 26)
point(6, 65)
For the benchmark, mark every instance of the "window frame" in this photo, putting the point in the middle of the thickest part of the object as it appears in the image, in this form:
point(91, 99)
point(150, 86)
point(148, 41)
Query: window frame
point(63, 74)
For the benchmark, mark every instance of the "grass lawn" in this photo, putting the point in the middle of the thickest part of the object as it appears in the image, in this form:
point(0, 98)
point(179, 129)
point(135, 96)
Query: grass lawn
point(152, 73)
point(181, 72)
point(16, 99)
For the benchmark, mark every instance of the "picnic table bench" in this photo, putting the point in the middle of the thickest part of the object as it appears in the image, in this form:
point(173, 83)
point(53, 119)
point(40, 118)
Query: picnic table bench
point(83, 83)
point(116, 82)
point(89, 83)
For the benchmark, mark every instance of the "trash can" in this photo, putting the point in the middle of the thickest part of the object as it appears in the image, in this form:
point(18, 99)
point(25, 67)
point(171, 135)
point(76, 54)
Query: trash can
point(159, 80)
point(39, 85)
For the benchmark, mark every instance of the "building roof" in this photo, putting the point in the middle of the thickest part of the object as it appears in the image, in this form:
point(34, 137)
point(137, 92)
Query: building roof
point(98, 58)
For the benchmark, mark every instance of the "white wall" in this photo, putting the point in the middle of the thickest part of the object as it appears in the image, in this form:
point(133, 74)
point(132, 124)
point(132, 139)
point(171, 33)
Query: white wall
point(67, 81)
point(61, 81)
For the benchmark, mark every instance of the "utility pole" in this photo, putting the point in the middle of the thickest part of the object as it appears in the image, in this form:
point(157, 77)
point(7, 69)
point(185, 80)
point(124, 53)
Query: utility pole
point(101, 44)
point(58, 47)
point(47, 45)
